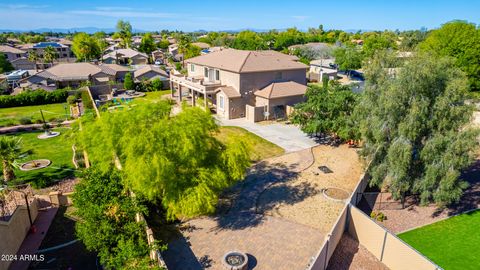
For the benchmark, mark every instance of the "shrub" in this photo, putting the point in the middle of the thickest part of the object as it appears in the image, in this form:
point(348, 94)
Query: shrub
point(25, 120)
point(37, 97)
point(86, 100)
point(156, 85)
point(379, 216)
point(128, 83)
point(71, 100)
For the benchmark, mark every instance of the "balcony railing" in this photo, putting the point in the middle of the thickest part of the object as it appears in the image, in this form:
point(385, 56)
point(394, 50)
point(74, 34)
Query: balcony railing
point(195, 83)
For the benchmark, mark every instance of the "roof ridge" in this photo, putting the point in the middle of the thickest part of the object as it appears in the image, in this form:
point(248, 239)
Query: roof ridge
point(244, 61)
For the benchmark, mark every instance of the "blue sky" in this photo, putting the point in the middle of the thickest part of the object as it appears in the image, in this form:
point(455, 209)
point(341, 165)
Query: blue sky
point(191, 15)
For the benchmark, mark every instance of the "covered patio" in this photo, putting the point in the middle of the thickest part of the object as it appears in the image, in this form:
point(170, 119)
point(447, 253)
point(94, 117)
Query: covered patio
point(183, 86)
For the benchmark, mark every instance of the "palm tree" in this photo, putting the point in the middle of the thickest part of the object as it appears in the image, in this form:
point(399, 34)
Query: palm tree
point(9, 151)
point(49, 54)
point(33, 56)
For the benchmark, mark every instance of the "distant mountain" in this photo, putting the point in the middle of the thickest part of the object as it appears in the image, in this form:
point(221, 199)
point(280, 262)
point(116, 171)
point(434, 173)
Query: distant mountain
point(89, 30)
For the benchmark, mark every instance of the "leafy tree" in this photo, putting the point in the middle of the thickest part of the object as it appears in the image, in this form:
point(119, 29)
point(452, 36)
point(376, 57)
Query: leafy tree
point(86, 47)
point(327, 110)
point(49, 54)
point(9, 151)
point(33, 57)
point(415, 128)
point(191, 51)
point(107, 221)
point(288, 38)
point(163, 44)
point(348, 58)
point(128, 82)
point(410, 39)
point(101, 42)
point(375, 42)
point(5, 65)
point(124, 32)
point(248, 40)
point(147, 44)
point(156, 85)
point(461, 40)
point(174, 160)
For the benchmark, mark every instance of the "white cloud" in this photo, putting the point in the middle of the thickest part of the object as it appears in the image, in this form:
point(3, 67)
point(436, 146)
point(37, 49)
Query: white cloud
point(24, 6)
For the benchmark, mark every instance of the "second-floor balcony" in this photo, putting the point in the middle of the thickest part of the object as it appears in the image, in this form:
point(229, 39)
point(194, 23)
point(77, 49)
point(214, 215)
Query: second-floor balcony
point(202, 85)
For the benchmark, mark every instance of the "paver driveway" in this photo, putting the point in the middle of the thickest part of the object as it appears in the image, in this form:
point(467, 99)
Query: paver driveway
point(272, 243)
point(289, 137)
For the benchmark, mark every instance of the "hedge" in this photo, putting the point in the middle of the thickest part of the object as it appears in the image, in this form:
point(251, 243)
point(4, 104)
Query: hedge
point(36, 97)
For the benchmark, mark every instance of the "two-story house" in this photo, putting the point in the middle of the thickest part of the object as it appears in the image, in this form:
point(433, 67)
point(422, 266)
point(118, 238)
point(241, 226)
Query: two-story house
point(253, 84)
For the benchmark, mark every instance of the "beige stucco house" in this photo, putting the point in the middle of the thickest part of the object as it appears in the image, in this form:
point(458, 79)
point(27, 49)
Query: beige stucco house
point(125, 57)
point(74, 75)
point(257, 85)
point(12, 53)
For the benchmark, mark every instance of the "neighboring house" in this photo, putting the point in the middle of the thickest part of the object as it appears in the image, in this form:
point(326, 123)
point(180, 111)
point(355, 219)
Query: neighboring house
point(321, 68)
point(212, 49)
point(23, 63)
point(64, 53)
point(151, 72)
point(12, 53)
point(73, 75)
point(253, 84)
point(125, 57)
point(311, 45)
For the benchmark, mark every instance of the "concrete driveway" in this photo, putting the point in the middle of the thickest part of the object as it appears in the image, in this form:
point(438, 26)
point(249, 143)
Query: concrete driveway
point(289, 137)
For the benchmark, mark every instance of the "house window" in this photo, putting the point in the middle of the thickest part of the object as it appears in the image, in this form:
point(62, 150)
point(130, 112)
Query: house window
point(221, 102)
point(192, 67)
point(19, 55)
point(217, 75)
point(205, 72)
point(278, 76)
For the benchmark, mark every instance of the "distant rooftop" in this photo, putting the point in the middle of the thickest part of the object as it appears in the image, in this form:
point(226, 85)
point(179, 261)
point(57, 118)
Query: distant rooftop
point(47, 44)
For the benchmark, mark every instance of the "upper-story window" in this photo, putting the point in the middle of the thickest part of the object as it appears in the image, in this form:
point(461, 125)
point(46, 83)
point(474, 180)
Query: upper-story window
point(192, 67)
point(217, 75)
point(205, 72)
point(19, 55)
point(278, 76)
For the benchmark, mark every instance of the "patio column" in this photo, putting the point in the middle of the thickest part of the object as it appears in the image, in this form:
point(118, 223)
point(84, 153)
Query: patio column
point(179, 93)
point(193, 98)
point(205, 95)
point(172, 90)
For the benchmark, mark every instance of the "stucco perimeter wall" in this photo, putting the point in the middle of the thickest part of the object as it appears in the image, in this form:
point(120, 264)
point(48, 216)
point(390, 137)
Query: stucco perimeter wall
point(13, 231)
point(386, 247)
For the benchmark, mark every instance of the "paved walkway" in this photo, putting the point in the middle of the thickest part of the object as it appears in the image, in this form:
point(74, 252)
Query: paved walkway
point(18, 128)
point(289, 137)
point(271, 243)
point(33, 240)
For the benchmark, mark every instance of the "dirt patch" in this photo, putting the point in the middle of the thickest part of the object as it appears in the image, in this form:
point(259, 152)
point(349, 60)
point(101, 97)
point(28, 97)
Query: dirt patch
point(300, 199)
point(412, 216)
point(349, 254)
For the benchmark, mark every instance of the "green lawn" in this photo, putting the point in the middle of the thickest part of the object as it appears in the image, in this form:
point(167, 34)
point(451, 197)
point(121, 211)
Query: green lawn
point(150, 97)
point(260, 148)
point(452, 243)
point(57, 149)
point(12, 116)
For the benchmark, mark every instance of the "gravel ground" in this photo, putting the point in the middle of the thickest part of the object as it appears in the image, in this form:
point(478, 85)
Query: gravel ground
point(413, 216)
point(301, 200)
point(350, 255)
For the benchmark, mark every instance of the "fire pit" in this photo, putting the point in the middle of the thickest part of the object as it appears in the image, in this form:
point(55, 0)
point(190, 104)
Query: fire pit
point(48, 134)
point(35, 164)
point(235, 260)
